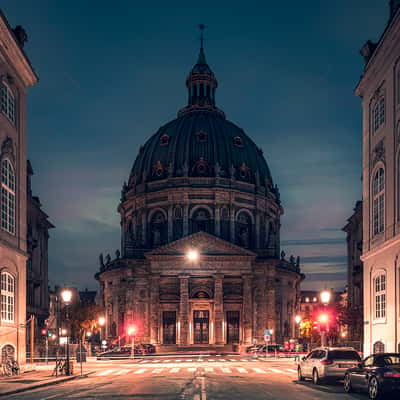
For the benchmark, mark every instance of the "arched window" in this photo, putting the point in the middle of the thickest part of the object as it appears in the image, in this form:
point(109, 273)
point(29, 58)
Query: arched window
point(7, 102)
point(158, 229)
point(7, 197)
point(380, 296)
point(243, 230)
point(378, 196)
point(7, 297)
point(201, 221)
point(379, 347)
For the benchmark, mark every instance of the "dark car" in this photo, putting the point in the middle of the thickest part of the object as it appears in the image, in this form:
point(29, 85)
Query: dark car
point(379, 374)
point(119, 352)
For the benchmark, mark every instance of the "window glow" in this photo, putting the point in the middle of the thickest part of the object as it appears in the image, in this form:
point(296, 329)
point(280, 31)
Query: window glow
point(7, 297)
point(7, 197)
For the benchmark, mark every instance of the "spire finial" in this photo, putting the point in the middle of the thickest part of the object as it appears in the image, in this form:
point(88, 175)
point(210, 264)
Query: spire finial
point(202, 27)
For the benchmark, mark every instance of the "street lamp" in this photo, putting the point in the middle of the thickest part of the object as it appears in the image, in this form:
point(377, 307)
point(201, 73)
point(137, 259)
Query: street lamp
point(131, 332)
point(297, 319)
point(192, 255)
point(66, 296)
point(102, 322)
point(325, 297)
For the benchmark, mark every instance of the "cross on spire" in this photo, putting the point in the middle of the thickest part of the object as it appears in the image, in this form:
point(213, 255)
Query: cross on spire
point(202, 27)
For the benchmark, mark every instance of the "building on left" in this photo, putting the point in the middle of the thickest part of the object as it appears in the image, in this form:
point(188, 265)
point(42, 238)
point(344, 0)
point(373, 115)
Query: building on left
point(16, 75)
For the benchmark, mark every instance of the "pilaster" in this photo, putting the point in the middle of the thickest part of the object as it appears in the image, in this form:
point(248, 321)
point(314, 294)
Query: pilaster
point(218, 309)
point(184, 309)
point(247, 309)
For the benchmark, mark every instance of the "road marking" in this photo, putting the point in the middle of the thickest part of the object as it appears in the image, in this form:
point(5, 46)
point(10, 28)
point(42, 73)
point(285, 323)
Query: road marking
point(278, 371)
point(210, 360)
point(200, 360)
point(254, 360)
point(174, 370)
point(122, 371)
point(226, 370)
point(156, 361)
point(231, 359)
point(157, 370)
point(209, 369)
point(259, 370)
point(189, 360)
point(222, 359)
point(165, 361)
point(243, 359)
point(106, 372)
point(140, 371)
point(242, 370)
point(291, 370)
point(178, 361)
point(192, 369)
point(203, 388)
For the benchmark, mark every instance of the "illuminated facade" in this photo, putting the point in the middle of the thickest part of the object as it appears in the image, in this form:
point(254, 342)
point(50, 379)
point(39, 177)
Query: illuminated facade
point(200, 260)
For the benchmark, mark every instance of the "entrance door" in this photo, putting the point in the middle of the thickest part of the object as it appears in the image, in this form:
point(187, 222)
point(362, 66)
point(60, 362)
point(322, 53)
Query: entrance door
point(169, 327)
point(200, 323)
point(232, 324)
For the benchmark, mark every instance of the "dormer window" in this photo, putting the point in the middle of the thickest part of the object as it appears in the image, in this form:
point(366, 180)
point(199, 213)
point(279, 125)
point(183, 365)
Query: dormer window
point(7, 102)
point(238, 141)
point(158, 169)
point(164, 140)
point(201, 137)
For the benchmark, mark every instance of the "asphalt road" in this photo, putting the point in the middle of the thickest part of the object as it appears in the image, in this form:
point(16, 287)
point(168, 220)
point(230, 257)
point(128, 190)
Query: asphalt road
point(189, 378)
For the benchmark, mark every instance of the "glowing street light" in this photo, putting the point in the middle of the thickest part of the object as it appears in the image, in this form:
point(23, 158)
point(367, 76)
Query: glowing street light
point(132, 329)
point(192, 255)
point(323, 318)
point(297, 319)
point(325, 296)
point(102, 321)
point(66, 296)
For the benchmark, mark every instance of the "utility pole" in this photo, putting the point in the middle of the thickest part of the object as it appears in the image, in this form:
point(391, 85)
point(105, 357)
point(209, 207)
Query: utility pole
point(32, 338)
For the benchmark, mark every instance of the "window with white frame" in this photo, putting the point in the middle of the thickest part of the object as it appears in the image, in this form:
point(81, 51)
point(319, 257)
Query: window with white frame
point(7, 102)
point(7, 197)
point(378, 206)
point(7, 297)
point(378, 114)
point(380, 296)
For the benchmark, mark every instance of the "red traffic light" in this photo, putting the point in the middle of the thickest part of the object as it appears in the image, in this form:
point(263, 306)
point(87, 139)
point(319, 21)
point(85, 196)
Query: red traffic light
point(44, 331)
point(132, 329)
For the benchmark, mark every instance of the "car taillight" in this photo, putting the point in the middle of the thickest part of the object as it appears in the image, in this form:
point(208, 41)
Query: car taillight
point(391, 375)
point(327, 362)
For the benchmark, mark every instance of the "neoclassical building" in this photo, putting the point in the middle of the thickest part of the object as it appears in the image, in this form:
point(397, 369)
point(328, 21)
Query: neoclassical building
point(379, 89)
point(200, 260)
point(16, 75)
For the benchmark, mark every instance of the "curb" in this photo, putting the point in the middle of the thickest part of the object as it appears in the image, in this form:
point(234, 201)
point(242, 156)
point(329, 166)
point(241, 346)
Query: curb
point(44, 384)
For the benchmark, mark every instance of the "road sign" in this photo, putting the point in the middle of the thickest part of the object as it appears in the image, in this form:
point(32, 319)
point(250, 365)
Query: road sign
point(268, 332)
point(267, 338)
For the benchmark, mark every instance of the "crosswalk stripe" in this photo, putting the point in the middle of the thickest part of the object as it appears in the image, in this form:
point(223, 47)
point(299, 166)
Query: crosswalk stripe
point(244, 359)
point(210, 360)
point(200, 360)
point(209, 369)
point(178, 361)
point(140, 371)
point(174, 370)
point(165, 361)
point(156, 361)
point(189, 360)
point(192, 369)
point(231, 359)
point(242, 370)
point(157, 370)
point(276, 370)
point(291, 370)
point(259, 370)
point(122, 371)
point(226, 370)
point(222, 359)
point(106, 372)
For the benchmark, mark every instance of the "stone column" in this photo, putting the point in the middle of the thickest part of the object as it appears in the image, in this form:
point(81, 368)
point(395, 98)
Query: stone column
point(270, 303)
point(170, 222)
point(184, 309)
point(218, 309)
point(257, 230)
point(247, 310)
point(185, 219)
point(217, 227)
point(232, 225)
point(154, 309)
point(144, 228)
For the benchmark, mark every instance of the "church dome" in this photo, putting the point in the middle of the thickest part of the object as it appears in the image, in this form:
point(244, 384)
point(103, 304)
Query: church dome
point(200, 141)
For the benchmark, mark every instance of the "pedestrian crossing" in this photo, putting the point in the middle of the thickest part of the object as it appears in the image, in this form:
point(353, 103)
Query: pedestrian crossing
point(200, 359)
point(175, 370)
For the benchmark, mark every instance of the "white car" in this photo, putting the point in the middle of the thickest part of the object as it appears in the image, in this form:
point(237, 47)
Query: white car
point(327, 362)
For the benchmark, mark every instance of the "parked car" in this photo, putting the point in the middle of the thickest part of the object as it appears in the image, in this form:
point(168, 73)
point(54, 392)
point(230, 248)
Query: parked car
point(254, 348)
point(379, 374)
point(327, 362)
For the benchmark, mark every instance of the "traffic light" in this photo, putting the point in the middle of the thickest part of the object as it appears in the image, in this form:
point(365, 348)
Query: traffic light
point(49, 334)
point(44, 332)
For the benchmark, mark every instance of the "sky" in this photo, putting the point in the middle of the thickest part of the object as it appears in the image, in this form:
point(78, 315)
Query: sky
point(111, 73)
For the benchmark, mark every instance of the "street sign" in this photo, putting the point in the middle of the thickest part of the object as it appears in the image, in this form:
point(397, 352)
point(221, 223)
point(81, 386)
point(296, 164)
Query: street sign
point(267, 338)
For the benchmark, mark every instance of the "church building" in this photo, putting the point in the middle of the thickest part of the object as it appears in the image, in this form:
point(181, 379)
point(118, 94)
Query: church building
point(200, 261)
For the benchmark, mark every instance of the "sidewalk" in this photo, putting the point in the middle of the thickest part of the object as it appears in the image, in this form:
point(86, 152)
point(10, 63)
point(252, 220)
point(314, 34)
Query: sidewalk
point(32, 380)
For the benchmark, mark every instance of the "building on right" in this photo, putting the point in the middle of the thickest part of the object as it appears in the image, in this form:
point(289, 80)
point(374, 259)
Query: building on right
point(379, 89)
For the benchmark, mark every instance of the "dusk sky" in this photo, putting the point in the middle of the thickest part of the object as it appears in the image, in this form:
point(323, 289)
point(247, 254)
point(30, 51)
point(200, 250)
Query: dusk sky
point(111, 73)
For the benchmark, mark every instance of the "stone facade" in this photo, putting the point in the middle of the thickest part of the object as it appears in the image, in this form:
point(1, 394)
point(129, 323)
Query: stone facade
point(16, 74)
point(200, 183)
point(353, 229)
point(379, 89)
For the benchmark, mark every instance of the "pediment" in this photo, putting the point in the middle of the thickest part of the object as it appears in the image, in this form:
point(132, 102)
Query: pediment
point(205, 243)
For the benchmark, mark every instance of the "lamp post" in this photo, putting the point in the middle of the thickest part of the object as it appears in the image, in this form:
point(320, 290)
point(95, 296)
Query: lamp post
point(131, 333)
point(297, 320)
point(66, 296)
point(325, 297)
point(102, 322)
